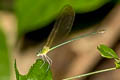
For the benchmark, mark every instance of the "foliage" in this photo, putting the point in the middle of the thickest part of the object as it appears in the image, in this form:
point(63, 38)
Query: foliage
point(36, 72)
point(4, 58)
point(109, 53)
point(32, 14)
point(105, 52)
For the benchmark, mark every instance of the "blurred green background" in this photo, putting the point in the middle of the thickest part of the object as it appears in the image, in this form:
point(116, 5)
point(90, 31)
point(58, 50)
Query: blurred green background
point(32, 15)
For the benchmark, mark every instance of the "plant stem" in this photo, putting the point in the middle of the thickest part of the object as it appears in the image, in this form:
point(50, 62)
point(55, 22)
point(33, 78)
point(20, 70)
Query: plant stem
point(91, 73)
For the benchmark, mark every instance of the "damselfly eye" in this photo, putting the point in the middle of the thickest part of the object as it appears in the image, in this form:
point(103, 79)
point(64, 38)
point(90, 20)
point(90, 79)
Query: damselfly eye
point(39, 51)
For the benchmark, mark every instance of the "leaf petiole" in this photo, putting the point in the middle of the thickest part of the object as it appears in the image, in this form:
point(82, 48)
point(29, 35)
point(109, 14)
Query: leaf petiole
point(91, 73)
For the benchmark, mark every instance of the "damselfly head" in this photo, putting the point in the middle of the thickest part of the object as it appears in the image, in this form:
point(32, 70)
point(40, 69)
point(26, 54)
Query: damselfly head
point(39, 52)
point(45, 50)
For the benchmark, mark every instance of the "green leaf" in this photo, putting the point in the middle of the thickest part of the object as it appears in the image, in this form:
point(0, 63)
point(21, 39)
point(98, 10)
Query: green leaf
point(4, 59)
point(83, 6)
point(35, 14)
point(107, 52)
point(117, 64)
point(36, 72)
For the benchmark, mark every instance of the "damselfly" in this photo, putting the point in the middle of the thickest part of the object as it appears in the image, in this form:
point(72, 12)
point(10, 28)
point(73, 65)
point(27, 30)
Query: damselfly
point(61, 28)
